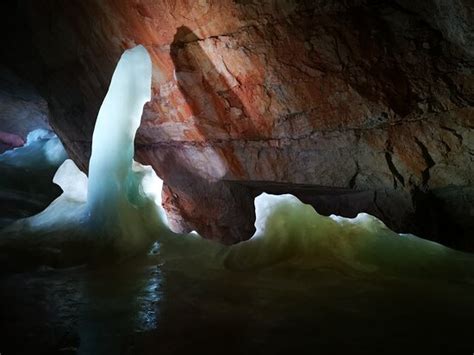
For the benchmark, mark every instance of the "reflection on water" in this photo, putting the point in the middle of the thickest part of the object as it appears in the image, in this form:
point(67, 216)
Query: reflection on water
point(142, 307)
point(118, 301)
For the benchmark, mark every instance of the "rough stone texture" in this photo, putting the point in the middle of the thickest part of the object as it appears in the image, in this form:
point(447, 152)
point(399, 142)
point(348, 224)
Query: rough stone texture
point(351, 105)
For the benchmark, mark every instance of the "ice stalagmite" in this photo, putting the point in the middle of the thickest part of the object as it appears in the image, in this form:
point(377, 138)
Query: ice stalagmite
point(123, 205)
point(119, 208)
point(118, 205)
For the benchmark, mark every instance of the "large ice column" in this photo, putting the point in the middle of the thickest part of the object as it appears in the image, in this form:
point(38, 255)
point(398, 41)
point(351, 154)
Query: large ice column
point(119, 206)
point(113, 192)
point(114, 133)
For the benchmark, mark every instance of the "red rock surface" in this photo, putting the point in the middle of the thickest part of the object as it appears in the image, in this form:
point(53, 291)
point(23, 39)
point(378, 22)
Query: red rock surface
point(355, 106)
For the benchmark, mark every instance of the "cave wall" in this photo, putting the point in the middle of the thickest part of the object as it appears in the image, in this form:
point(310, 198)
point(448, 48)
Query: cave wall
point(351, 105)
point(22, 110)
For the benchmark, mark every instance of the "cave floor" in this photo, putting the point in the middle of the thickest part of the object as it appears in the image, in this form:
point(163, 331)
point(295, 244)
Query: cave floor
point(144, 307)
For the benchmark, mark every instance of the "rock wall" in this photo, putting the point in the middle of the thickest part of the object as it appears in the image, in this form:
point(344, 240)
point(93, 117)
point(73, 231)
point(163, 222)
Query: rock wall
point(351, 105)
point(22, 110)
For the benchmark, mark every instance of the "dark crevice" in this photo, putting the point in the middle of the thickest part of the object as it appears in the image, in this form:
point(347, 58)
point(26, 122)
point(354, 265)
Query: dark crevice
point(396, 174)
point(429, 162)
point(352, 181)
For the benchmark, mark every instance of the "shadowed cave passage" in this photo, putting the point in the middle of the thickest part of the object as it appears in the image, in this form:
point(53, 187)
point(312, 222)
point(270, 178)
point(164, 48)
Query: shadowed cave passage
point(437, 216)
point(326, 200)
point(25, 176)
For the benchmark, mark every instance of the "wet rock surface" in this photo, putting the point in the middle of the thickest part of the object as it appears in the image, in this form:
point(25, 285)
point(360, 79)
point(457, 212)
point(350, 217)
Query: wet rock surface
point(366, 104)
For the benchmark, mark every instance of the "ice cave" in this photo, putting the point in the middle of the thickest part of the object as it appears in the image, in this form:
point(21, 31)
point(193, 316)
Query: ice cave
point(236, 177)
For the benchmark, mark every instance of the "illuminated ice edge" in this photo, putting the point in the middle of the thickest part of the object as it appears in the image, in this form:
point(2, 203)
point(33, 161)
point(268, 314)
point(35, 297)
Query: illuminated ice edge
point(120, 204)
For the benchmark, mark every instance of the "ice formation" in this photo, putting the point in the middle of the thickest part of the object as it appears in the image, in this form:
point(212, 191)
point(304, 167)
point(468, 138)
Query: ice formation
point(42, 150)
point(119, 206)
point(26, 173)
point(114, 178)
point(290, 231)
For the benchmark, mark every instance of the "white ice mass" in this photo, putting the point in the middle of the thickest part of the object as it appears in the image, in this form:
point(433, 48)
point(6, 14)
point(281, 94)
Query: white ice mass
point(119, 207)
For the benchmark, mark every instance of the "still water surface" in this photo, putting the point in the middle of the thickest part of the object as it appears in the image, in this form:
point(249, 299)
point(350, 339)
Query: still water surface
point(147, 307)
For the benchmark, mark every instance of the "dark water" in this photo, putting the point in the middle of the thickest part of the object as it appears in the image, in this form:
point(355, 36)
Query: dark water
point(142, 307)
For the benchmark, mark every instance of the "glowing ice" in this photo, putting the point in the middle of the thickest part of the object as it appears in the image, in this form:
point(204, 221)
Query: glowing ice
point(118, 202)
point(72, 181)
point(120, 205)
point(290, 231)
point(110, 167)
